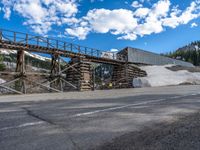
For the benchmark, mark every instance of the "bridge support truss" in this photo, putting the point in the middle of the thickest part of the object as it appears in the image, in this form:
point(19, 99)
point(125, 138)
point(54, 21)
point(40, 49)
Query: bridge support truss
point(77, 74)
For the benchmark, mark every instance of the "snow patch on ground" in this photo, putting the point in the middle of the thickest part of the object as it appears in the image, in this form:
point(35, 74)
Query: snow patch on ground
point(2, 81)
point(161, 76)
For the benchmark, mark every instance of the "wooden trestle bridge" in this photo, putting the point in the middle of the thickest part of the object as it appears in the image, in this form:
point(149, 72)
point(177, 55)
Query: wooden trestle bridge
point(77, 74)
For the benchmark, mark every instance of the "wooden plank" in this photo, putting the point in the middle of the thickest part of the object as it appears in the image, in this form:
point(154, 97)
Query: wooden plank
point(10, 89)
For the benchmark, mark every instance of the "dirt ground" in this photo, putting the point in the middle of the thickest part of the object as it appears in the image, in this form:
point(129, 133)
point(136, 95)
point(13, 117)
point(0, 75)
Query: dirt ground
point(190, 69)
point(183, 134)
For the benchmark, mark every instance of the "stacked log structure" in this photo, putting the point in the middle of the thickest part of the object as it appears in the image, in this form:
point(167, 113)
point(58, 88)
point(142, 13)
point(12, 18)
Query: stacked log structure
point(123, 75)
point(80, 75)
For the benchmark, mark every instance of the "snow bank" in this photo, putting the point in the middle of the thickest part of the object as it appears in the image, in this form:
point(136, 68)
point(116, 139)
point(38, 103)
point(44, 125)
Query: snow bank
point(3, 90)
point(161, 76)
point(2, 81)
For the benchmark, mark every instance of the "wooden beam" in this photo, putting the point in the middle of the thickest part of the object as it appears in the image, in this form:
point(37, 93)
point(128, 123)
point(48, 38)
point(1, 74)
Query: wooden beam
point(42, 85)
point(10, 89)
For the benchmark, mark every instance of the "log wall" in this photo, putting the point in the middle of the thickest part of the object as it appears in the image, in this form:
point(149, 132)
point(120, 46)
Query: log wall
point(80, 75)
point(123, 75)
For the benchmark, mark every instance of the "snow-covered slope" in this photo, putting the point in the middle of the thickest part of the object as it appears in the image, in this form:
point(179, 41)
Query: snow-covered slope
point(7, 52)
point(195, 46)
point(36, 56)
point(161, 76)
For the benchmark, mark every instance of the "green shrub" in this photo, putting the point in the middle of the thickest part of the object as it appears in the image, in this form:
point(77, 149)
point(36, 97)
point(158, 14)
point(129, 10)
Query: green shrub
point(2, 67)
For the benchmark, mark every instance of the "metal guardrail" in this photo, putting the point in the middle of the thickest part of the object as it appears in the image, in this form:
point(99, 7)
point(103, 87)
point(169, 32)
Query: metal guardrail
point(28, 39)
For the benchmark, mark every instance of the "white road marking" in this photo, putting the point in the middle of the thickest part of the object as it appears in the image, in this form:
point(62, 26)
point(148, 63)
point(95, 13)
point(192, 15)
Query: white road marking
point(194, 94)
point(115, 108)
point(125, 106)
point(22, 125)
point(176, 97)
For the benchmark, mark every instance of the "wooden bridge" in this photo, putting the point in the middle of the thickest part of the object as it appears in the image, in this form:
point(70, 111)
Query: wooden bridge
point(77, 74)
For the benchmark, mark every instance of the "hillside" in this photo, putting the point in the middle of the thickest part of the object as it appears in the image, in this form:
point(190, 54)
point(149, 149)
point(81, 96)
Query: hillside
point(189, 53)
point(194, 46)
point(8, 60)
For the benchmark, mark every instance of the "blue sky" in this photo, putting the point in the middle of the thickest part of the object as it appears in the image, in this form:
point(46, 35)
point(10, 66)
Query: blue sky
point(155, 25)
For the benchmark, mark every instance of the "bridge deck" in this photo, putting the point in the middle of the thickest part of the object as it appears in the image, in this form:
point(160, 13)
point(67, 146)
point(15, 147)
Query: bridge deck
point(79, 74)
point(21, 41)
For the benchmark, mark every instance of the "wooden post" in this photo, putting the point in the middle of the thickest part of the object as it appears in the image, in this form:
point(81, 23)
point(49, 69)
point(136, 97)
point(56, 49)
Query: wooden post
point(93, 75)
point(79, 49)
point(91, 52)
point(37, 40)
point(60, 75)
point(1, 35)
point(64, 45)
point(20, 62)
point(54, 65)
point(26, 39)
point(47, 42)
point(14, 37)
point(20, 68)
point(71, 47)
point(56, 44)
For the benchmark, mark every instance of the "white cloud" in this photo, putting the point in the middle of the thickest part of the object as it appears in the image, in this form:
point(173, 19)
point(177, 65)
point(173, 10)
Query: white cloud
point(120, 21)
point(128, 36)
point(128, 25)
point(178, 17)
point(161, 8)
point(136, 4)
point(43, 15)
point(114, 50)
point(152, 23)
point(92, 1)
point(7, 12)
point(40, 15)
point(194, 25)
point(142, 12)
point(123, 22)
point(80, 32)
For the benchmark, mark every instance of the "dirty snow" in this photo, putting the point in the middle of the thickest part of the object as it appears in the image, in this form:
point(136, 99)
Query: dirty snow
point(2, 81)
point(161, 76)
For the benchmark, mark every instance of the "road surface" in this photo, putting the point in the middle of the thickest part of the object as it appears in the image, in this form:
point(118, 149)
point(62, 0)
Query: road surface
point(91, 120)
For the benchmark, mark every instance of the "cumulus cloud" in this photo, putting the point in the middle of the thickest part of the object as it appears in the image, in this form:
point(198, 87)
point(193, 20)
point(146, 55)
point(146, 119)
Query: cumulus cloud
point(7, 12)
point(40, 15)
point(194, 25)
point(178, 17)
point(43, 15)
point(129, 24)
point(80, 32)
point(92, 1)
point(136, 4)
point(152, 23)
point(120, 21)
point(142, 12)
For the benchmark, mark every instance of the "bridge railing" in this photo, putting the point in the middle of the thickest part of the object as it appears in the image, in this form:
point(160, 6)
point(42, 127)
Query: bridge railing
point(39, 41)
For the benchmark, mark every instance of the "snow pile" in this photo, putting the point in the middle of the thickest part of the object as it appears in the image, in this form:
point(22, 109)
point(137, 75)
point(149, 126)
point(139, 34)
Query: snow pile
point(2, 81)
point(3, 90)
point(161, 76)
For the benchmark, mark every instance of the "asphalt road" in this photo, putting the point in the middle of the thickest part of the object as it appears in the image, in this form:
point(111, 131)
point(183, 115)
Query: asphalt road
point(89, 120)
